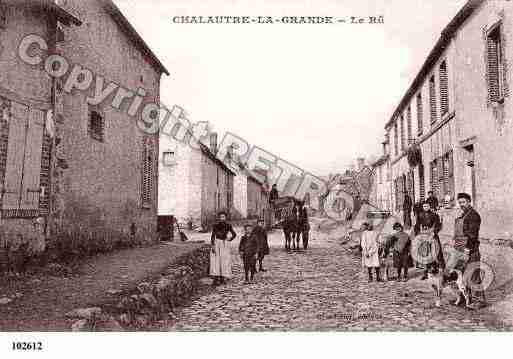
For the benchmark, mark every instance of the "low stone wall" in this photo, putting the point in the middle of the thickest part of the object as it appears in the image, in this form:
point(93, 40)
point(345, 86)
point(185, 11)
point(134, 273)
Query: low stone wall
point(150, 301)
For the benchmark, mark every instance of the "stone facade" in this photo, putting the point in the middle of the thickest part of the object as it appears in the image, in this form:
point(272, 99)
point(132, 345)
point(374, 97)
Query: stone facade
point(193, 184)
point(250, 197)
point(463, 135)
point(82, 180)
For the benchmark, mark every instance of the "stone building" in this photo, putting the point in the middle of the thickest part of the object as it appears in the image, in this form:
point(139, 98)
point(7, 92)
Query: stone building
point(250, 196)
point(450, 132)
point(68, 158)
point(194, 185)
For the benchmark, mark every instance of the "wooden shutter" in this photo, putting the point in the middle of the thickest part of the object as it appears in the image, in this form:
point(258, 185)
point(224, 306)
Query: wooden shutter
point(444, 90)
point(402, 132)
point(450, 174)
point(441, 179)
point(396, 138)
point(420, 113)
point(32, 164)
point(15, 153)
point(422, 184)
point(432, 99)
point(408, 119)
point(45, 174)
point(493, 48)
point(434, 178)
point(147, 172)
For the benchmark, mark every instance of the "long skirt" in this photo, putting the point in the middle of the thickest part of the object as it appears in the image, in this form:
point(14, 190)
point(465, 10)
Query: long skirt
point(221, 260)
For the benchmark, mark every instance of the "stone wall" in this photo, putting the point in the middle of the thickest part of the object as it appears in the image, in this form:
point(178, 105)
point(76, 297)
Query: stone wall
point(106, 175)
point(151, 301)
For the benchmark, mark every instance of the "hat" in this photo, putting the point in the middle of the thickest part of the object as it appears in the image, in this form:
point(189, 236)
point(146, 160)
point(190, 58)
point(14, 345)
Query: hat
point(397, 225)
point(464, 196)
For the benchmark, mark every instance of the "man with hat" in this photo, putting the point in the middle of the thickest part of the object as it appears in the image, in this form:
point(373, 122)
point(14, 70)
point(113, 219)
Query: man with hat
point(466, 233)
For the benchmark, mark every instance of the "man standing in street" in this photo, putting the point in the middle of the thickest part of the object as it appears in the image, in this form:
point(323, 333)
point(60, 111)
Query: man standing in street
point(407, 207)
point(429, 222)
point(220, 257)
point(273, 196)
point(466, 229)
point(432, 201)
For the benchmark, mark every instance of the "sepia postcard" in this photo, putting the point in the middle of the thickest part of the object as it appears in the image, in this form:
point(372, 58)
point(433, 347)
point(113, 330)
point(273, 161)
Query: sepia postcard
point(186, 167)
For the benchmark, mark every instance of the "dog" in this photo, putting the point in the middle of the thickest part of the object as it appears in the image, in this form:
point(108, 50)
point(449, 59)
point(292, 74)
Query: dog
point(387, 263)
point(453, 274)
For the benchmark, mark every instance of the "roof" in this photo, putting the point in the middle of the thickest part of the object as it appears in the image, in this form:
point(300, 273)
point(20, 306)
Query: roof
point(214, 158)
point(50, 6)
point(445, 37)
point(380, 161)
point(125, 25)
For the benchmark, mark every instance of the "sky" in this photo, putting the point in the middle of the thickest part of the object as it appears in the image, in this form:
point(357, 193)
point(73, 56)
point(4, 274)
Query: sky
point(317, 96)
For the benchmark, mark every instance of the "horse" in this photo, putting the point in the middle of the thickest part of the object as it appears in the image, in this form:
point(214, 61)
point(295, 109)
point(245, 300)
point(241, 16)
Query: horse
point(290, 230)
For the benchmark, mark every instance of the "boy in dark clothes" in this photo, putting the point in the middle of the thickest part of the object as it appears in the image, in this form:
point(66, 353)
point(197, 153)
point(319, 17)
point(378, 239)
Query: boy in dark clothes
point(263, 245)
point(248, 248)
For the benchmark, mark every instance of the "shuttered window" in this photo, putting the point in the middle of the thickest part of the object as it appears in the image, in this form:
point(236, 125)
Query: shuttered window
point(434, 177)
point(21, 187)
point(432, 99)
point(408, 125)
point(449, 174)
point(96, 125)
point(402, 133)
point(441, 179)
point(444, 89)
point(396, 139)
point(495, 65)
point(420, 122)
point(422, 184)
point(148, 171)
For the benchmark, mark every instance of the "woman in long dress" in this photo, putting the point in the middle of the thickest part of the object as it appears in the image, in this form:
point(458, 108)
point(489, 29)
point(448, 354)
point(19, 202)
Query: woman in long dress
point(220, 257)
point(370, 255)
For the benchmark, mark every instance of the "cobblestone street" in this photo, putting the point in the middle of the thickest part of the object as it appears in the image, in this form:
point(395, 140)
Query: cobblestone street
point(323, 288)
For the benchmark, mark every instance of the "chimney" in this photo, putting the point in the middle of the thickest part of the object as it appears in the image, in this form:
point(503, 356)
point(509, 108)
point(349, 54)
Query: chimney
point(213, 142)
point(361, 163)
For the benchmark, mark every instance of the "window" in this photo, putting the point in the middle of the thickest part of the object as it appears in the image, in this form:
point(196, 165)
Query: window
point(448, 166)
point(396, 139)
point(168, 158)
point(434, 177)
point(420, 122)
point(495, 65)
point(444, 90)
point(402, 133)
point(432, 99)
point(148, 172)
point(22, 175)
point(422, 184)
point(3, 16)
point(96, 126)
point(408, 126)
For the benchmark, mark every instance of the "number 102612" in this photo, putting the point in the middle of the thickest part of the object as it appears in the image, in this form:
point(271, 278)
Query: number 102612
point(26, 346)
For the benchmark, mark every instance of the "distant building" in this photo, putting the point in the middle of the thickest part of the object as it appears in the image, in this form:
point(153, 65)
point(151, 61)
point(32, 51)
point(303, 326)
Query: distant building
point(381, 192)
point(194, 185)
point(250, 198)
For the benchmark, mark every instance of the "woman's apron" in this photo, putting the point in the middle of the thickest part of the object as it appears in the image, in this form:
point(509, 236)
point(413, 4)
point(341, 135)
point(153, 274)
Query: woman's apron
point(220, 259)
point(458, 255)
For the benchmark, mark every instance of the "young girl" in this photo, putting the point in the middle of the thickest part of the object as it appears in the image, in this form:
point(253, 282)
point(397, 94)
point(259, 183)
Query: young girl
point(370, 255)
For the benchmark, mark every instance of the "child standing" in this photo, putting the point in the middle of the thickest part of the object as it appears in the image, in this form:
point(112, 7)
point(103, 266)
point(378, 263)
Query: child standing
point(263, 244)
point(370, 255)
point(248, 248)
point(401, 250)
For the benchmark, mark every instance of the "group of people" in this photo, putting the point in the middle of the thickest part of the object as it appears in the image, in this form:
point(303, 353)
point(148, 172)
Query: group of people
point(253, 247)
point(424, 249)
